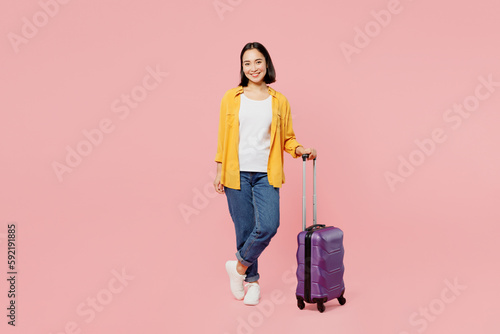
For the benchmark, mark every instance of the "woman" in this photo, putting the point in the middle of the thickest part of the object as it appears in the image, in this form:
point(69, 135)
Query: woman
point(255, 127)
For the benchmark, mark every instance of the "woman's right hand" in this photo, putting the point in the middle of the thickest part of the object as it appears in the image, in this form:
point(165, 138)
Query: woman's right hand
point(219, 188)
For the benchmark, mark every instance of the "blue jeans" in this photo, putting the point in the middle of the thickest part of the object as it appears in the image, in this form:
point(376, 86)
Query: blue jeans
point(256, 215)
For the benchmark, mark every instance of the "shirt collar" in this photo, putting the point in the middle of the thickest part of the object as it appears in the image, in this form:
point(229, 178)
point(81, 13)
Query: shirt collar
point(239, 90)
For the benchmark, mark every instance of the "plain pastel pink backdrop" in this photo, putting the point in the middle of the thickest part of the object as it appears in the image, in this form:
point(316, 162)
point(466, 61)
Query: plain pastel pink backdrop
point(141, 202)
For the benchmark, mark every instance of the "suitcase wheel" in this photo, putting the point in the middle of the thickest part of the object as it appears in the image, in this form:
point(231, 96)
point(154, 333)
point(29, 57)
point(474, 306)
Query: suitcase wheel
point(341, 299)
point(321, 307)
point(300, 303)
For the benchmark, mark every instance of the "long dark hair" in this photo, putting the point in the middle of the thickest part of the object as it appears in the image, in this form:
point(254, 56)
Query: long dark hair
point(270, 76)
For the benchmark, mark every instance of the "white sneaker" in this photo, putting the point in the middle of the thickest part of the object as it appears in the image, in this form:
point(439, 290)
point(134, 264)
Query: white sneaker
point(253, 294)
point(235, 280)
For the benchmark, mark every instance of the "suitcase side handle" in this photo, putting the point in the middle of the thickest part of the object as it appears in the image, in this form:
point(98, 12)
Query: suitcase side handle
point(304, 158)
point(315, 227)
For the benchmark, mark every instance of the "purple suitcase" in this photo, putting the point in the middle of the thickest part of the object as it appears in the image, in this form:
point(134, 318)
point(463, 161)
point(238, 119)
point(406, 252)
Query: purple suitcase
point(320, 258)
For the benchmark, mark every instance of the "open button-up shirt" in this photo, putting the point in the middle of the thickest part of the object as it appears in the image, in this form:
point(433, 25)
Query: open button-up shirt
point(282, 138)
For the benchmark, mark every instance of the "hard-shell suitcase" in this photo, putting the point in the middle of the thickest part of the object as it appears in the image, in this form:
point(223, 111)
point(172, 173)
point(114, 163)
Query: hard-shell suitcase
point(320, 257)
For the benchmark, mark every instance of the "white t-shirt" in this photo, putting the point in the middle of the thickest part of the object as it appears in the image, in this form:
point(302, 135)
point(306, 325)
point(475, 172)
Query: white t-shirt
point(255, 134)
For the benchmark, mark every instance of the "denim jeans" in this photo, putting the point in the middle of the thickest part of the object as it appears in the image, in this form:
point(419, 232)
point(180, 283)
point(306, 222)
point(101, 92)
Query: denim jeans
point(255, 211)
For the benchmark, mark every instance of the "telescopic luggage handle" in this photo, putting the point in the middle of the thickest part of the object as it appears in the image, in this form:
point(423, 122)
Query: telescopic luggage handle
point(304, 158)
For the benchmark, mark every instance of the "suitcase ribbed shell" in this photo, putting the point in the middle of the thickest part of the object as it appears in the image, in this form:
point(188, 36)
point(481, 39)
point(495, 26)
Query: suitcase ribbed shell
point(326, 279)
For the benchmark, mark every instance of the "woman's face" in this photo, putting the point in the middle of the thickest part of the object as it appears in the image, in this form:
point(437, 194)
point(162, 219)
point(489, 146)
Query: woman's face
point(254, 66)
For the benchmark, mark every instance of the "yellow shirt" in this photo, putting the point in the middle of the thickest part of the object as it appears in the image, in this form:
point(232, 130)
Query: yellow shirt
point(282, 138)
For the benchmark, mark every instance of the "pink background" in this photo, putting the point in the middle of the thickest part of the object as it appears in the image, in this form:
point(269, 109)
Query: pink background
point(121, 207)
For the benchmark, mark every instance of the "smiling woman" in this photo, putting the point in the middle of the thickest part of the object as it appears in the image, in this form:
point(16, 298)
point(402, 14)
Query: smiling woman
point(256, 66)
point(255, 128)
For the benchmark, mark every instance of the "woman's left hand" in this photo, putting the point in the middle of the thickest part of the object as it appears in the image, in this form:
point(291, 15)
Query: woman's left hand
point(311, 151)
